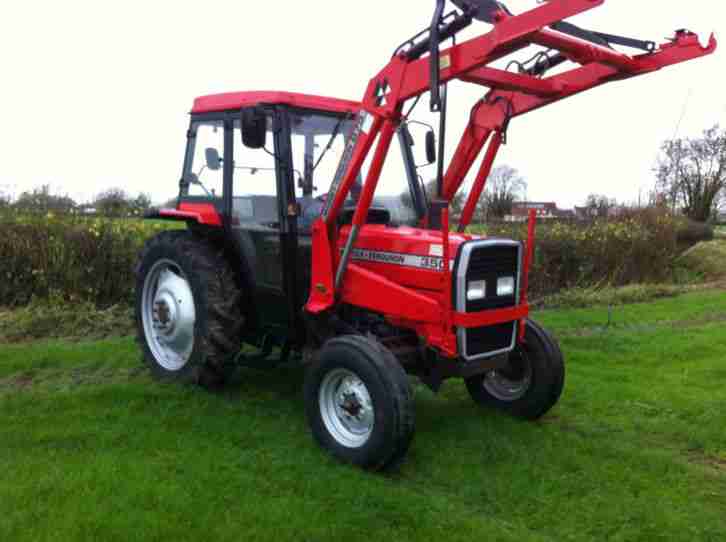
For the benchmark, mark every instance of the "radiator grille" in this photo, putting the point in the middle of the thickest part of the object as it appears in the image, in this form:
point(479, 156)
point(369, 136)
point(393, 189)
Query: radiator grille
point(489, 261)
point(490, 339)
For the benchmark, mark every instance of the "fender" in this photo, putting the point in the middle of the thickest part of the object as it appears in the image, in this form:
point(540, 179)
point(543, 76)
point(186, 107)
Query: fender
point(201, 213)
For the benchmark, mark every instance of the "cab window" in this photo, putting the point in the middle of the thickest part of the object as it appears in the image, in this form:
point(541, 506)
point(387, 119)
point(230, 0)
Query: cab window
point(204, 172)
point(254, 198)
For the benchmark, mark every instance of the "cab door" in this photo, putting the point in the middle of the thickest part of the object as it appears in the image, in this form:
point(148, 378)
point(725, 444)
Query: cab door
point(257, 224)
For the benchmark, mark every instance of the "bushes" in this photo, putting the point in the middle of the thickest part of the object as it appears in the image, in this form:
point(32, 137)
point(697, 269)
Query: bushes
point(637, 248)
point(691, 232)
point(77, 260)
point(91, 260)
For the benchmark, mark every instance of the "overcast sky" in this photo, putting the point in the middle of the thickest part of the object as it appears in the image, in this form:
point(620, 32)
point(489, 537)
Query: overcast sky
point(96, 94)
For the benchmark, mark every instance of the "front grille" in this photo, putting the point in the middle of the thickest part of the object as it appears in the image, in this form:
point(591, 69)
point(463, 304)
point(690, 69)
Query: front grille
point(489, 261)
point(490, 339)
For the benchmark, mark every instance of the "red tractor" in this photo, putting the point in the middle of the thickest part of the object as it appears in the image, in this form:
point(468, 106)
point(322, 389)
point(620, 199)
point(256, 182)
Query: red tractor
point(347, 264)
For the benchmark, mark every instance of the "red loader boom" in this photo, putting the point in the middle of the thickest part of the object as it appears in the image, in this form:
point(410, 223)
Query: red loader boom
point(407, 77)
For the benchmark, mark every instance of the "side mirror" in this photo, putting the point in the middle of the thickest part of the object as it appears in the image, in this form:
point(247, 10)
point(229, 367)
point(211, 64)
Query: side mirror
point(254, 127)
point(214, 161)
point(430, 147)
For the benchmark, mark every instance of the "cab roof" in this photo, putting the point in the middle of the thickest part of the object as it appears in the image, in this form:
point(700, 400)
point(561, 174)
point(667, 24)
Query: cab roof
point(238, 100)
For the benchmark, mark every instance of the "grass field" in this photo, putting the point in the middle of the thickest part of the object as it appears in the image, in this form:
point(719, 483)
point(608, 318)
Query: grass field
point(92, 448)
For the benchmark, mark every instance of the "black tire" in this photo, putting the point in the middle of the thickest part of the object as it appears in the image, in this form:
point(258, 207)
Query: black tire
point(217, 329)
point(538, 367)
point(391, 397)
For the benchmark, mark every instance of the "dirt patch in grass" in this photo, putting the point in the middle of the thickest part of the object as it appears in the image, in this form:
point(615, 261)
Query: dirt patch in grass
point(20, 381)
point(70, 378)
point(48, 320)
point(710, 461)
point(615, 326)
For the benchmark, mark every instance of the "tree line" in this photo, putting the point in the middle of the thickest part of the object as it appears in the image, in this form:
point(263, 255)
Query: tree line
point(114, 202)
point(690, 173)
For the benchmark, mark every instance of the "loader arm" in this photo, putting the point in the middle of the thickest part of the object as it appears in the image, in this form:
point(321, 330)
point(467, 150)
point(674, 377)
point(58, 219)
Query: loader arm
point(410, 74)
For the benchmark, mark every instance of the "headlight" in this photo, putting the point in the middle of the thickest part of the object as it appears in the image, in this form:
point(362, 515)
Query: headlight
point(505, 286)
point(477, 290)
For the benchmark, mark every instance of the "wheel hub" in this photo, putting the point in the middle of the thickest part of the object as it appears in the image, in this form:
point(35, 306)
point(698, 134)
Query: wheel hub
point(347, 408)
point(511, 383)
point(165, 313)
point(351, 404)
point(169, 315)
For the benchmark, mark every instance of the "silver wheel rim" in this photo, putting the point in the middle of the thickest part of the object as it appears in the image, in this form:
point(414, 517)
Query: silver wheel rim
point(346, 408)
point(168, 315)
point(506, 389)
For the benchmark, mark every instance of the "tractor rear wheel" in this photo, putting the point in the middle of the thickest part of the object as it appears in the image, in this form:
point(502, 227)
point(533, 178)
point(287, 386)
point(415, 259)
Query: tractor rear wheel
point(359, 403)
point(188, 316)
point(532, 382)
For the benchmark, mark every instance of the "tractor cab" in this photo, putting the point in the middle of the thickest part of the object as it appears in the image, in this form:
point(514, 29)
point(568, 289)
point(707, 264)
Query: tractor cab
point(262, 165)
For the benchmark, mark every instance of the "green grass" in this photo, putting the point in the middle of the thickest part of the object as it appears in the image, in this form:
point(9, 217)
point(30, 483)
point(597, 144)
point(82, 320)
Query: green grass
point(92, 448)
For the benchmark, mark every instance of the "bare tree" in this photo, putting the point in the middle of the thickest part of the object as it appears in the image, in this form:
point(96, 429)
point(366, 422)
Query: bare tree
point(141, 204)
point(43, 200)
point(599, 206)
point(114, 202)
point(692, 173)
point(505, 186)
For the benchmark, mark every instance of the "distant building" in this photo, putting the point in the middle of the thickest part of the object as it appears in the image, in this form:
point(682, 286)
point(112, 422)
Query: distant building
point(545, 211)
point(585, 213)
point(86, 209)
point(592, 213)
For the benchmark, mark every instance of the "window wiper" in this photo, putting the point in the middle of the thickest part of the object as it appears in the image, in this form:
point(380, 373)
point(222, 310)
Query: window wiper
point(196, 179)
point(336, 131)
point(255, 170)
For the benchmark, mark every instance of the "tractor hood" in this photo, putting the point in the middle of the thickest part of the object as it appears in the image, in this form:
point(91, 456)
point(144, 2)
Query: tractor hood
point(411, 257)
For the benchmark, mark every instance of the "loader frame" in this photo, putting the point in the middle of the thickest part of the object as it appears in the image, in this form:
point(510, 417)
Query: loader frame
point(407, 77)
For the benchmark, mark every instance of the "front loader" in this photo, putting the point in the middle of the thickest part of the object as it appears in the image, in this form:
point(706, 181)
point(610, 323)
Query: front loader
point(311, 238)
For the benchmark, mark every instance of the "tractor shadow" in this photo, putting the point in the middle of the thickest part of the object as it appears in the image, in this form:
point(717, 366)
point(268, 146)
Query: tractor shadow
point(447, 416)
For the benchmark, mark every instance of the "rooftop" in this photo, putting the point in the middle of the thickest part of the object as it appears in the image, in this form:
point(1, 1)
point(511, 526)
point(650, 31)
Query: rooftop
point(238, 100)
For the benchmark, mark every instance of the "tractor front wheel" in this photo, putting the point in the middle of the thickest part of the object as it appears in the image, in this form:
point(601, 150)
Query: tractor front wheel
point(359, 403)
point(532, 382)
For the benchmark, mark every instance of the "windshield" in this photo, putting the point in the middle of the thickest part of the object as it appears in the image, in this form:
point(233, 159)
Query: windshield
point(318, 146)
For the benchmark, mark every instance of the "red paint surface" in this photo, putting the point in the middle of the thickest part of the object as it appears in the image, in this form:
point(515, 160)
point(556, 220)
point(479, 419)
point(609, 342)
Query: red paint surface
point(489, 318)
point(321, 288)
point(404, 240)
point(238, 100)
point(202, 213)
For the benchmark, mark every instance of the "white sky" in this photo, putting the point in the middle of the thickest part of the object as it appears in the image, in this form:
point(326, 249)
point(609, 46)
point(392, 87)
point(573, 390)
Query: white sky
point(96, 94)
